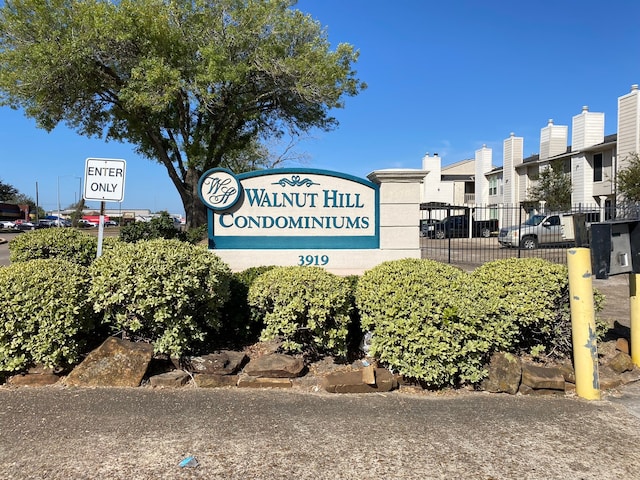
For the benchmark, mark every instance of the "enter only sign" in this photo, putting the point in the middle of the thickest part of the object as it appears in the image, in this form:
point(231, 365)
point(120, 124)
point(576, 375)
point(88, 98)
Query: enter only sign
point(104, 179)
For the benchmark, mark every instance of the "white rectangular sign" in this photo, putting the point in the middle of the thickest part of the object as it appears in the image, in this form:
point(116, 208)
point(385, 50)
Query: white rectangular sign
point(104, 179)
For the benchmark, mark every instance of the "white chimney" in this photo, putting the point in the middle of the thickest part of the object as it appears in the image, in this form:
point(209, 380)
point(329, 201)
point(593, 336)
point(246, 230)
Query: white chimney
point(587, 129)
point(553, 140)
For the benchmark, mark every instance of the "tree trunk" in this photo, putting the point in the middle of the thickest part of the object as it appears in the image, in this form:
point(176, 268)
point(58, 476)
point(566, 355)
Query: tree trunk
point(195, 210)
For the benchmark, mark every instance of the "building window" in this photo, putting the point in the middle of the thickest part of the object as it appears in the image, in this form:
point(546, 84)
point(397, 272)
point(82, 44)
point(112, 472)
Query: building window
point(597, 167)
point(493, 186)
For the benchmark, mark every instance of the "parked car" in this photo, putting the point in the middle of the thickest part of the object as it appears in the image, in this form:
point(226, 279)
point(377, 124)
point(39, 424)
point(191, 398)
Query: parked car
point(24, 225)
point(427, 226)
point(45, 223)
point(7, 224)
point(82, 223)
point(111, 223)
point(458, 226)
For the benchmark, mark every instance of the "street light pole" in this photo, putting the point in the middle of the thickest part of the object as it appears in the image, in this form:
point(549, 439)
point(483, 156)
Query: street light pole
point(58, 222)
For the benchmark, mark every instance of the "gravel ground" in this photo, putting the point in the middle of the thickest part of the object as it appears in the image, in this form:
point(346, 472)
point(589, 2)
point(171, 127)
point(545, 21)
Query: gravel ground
point(143, 433)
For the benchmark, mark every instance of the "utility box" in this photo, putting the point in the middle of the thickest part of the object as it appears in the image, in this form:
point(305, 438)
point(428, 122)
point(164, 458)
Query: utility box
point(615, 248)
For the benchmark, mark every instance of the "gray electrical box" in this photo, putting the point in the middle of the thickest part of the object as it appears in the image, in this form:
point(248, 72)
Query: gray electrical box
point(615, 248)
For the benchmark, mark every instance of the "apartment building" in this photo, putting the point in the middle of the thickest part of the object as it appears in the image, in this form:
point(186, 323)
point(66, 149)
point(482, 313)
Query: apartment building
point(591, 157)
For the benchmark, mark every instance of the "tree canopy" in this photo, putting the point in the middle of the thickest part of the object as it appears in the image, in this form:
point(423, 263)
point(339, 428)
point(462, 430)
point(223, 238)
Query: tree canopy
point(553, 186)
point(7, 192)
point(192, 84)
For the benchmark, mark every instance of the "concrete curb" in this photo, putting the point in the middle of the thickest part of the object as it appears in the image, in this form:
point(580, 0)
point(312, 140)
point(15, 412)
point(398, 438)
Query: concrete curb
point(2, 240)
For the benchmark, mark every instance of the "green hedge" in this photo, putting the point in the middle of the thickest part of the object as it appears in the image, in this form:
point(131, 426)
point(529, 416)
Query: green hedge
point(64, 243)
point(307, 307)
point(162, 226)
point(166, 292)
point(529, 300)
point(437, 324)
point(425, 321)
point(45, 315)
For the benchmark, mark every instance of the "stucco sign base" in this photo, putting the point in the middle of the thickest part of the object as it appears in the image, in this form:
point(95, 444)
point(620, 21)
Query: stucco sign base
point(340, 262)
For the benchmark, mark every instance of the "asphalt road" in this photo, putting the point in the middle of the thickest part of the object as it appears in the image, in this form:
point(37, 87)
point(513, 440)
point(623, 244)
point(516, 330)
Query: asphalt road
point(63, 433)
point(4, 247)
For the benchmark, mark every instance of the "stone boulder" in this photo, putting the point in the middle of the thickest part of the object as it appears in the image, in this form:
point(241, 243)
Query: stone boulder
point(33, 379)
point(542, 378)
point(275, 365)
point(115, 363)
point(357, 382)
point(247, 381)
point(174, 379)
point(225, 362)
point(213, 380)
point(505, 372)
point(620, 363)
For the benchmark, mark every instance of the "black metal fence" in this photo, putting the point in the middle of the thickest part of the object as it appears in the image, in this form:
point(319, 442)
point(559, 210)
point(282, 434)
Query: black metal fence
point(471, 236)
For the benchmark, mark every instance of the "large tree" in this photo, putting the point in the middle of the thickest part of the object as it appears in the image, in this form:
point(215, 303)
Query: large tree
point(553, 186)
point(193, 84)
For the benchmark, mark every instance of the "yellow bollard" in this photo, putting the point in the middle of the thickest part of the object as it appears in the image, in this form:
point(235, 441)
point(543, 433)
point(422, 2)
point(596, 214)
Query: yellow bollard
point(583, 324)
point(634, 306)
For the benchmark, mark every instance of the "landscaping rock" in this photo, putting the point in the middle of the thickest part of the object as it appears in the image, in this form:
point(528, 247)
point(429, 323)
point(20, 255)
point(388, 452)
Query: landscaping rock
point(175, 379)
point(622, 345)
point(225, 362)
point(505, 372)
point(539, 377)
point(606, 350)
point(211, 363)
point(213, 380)
point(33, 379)
point(525, 389)
point(630, 376)
point(115, 363)
point(608, 378)
point(275, 365)
point(620, 363)
point(569, 374)
point(352, 382)
point(247, 381)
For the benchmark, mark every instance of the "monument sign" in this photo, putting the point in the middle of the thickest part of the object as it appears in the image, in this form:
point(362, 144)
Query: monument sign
point(294, 216)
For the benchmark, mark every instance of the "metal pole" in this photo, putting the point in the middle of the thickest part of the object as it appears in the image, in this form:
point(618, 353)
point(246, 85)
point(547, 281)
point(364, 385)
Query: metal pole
point(58, 199)
point(100, 230)
point(634, 304)
point(583, 324)
point(37, 205)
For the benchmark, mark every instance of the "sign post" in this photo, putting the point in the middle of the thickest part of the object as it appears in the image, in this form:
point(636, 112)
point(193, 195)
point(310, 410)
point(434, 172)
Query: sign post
point(104, 182)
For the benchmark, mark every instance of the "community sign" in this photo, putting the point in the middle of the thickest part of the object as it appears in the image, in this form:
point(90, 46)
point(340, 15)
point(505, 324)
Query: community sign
point(290, 209)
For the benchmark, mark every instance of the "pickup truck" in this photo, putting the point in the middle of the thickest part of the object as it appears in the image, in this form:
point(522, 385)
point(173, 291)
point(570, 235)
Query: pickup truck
point(538, 230)
point(458, 226)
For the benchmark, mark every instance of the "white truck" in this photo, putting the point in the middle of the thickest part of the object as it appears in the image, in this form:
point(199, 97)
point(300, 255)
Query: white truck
point(539, 229)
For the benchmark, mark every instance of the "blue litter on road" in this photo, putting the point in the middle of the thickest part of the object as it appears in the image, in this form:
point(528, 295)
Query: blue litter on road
point(189, 462)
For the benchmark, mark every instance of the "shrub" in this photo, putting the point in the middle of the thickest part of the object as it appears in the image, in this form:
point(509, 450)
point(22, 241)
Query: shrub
point(307, 307)
point(45, 315)
point(162, 226)
point(196, 235)
point(167, 292)
point(64, 243)
point(240, 327)
point(425, 321)
point(529, 299)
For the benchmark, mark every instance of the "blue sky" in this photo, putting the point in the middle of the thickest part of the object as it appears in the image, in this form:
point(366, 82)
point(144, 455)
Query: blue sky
point(445, 77)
